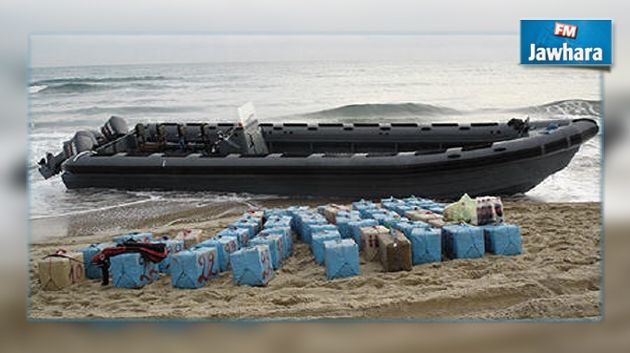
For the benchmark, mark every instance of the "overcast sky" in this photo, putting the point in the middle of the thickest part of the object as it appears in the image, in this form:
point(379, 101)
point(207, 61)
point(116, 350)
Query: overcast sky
point(19, 18)
point(73, 50)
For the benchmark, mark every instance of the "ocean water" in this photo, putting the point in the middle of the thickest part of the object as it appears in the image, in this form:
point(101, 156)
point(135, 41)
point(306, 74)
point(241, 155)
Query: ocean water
point(66, 99)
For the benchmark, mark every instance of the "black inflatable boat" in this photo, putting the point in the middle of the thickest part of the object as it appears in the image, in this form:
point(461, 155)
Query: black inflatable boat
point(439, 160)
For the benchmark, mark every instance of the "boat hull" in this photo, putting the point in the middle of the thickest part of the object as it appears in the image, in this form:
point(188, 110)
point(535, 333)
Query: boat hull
point(507, 178)
point(504, 168)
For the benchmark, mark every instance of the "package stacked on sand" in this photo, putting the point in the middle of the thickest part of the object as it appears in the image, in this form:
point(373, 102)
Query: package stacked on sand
point(362, 205)
point(407, 226)
point(272, 212)
point(341, 258)
point(251, 225)
point(224, 245)
point(342, 220)
point(318, 240)
point(189, 236)
point(293, 211)
point(255, 214)
point(242, 235)
point(60, 270)
point(131, 264)
point(502, 239)
point(92, 271)
point(369, 236)
point(463, 241)
point(355, 229)
point(252, 266)
point(304, 221)
point(287, 238)
point(394, 251)
point(274, 243)
point(396, 205)
point(330, 212)
point(193, 268)
point(426, 204)
point(422, 215)
point(479, 211)
point(173, 246)
point(132, 270)
point(277, 221)
point(139, 237)
point(487, 212)
point(426, 245)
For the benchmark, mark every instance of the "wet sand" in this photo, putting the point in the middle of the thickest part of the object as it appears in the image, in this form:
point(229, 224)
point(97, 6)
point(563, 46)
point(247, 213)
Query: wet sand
point(558, 275)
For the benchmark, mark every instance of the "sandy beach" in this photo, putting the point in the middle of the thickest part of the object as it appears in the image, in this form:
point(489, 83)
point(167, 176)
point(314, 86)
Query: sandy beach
point(558, 275)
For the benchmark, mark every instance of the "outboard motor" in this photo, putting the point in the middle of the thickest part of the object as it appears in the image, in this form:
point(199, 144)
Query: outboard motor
point(114, 128)
point(82, 141)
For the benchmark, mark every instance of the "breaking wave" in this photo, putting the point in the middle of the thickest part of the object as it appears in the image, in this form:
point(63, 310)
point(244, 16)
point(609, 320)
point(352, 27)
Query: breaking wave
point(91, 84)
point(381, 109)
point(132, 109)
point(575, 107)
point(570, 107)
point(99, 80)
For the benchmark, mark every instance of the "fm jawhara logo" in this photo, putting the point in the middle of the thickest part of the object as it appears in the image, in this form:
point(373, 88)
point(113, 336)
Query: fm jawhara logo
point(566, 42)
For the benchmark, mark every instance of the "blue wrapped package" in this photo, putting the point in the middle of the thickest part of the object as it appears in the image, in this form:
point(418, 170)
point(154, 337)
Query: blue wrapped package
point(194, 267)
point(272, 212)
point(172, 246)
point(355, 229)
point(251, 225)
point(390, 220)
point(298, 219)
point(278, 221)
point(363, 205)
point(93, 271)
point(386, 218)
point(392, 205)
point(315, 228)
point(252, 266)
point(343, 220)
point(371, 212)
point(275, 244)
point(462, 241)
point(503, 239)
point(306, 223)
point(140, 237)
point(402, 208)
point(349, 213)
point(426, 245)
point(224, 245)
point(287, 238)
point(317, 243)
point(242, 235)
point(131, 270)
point(294, 211)
point(390, 199)
point(255, 214)
point(406, 226)
point(411, 199)
point(341, 258)
point(388, 205)
point(251, 218)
